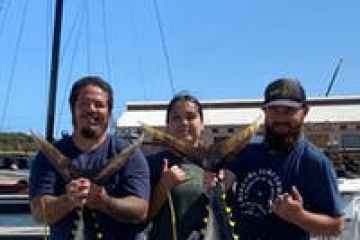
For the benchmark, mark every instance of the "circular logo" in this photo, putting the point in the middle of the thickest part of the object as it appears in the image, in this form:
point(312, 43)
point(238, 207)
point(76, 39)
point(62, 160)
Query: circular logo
point(255, 191)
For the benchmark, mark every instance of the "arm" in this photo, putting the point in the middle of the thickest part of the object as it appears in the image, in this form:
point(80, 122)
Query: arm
point(51, 209)
point(319, 224)
point(170, 178)
point(322, 200)
point(290, 208)
point(226, 177)
point(129, 209)
point(159, 196)
point(129, 202)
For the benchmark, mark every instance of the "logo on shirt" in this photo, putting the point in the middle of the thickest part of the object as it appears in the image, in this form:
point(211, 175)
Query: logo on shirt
point(255, 191)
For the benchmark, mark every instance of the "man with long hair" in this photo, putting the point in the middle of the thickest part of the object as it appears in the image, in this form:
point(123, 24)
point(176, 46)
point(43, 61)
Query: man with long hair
point(110, 210)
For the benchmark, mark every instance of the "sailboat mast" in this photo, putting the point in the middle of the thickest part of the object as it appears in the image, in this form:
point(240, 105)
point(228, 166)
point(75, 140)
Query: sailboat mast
point(54, 71)
point(333, 77)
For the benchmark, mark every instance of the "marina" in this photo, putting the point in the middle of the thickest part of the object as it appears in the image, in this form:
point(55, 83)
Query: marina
point(16, 221)
point(221, 57)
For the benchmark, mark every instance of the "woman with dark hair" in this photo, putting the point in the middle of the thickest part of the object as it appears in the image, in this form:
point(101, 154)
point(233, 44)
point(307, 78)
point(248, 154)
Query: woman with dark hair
point(178, 201)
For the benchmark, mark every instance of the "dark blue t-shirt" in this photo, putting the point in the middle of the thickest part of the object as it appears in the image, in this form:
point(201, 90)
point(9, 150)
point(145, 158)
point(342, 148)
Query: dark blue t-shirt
point(131, 179)
point(262, 174)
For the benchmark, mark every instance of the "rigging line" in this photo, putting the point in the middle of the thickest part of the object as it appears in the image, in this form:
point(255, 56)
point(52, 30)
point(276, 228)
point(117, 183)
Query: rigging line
point(48, 24)
point(88, 39)
point(69, 38)
point(106, 41)
point(5, 10)
point(139, 58)
point(67, 84)
point(164, 46)
point(14, 63)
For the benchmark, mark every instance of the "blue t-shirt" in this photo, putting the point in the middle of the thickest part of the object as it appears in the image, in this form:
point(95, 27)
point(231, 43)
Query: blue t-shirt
point(262, 174)
point(131, 179)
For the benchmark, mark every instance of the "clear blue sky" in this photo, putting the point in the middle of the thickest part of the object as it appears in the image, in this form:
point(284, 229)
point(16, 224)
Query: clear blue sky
point(218, 50)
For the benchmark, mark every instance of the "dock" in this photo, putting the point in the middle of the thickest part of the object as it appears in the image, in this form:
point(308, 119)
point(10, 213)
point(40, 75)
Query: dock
point(24, 233)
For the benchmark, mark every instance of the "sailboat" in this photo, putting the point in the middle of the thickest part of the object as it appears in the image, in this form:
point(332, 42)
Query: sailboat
point(16, 197)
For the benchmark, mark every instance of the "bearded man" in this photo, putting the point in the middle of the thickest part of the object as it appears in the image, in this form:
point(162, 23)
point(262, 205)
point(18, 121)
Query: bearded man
point(111, 210)
point(285, 187)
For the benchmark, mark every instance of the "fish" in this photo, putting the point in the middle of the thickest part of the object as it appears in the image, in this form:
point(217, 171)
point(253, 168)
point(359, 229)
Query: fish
point(59, 161)
point(219, 224)
point(117, 162)
point(80, 229)
point(63, 166)
point(210, 157)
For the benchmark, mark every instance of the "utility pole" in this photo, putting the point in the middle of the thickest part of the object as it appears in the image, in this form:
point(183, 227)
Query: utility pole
point(54, 71)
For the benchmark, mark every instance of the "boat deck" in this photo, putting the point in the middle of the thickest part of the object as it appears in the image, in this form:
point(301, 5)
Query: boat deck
point(7, 175)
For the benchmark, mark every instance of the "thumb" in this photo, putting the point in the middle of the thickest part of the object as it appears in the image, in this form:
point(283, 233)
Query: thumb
point(295, 193)
point(221, 174)
point(165, 165)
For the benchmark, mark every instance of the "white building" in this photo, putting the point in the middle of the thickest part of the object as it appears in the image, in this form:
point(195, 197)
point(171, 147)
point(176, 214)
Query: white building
point(331, 120)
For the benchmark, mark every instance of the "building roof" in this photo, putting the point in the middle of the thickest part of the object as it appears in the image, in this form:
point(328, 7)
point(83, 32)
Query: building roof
point(242, 112)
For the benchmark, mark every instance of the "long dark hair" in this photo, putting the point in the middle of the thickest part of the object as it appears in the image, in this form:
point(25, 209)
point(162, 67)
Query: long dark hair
point(184, 96)
point(91, 80)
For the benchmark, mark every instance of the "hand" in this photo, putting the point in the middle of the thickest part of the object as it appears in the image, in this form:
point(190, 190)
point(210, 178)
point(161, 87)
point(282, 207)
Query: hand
point(210, 179)
point(172, 176)
point(77, 191)
point(96, 196)
point(287, 206)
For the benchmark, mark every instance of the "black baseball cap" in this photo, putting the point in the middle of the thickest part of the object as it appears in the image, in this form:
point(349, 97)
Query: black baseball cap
point(285, 92)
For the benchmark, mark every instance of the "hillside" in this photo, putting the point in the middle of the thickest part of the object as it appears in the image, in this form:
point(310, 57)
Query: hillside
point(16, 142)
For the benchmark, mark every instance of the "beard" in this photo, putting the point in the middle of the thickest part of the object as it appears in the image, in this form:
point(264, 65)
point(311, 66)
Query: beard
point(283, 142)
point(88, 132)
point(93, 131)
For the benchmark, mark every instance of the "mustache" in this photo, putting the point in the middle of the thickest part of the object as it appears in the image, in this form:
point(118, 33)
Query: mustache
point(282, 141)
point(294, 128)
point(89, 114)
